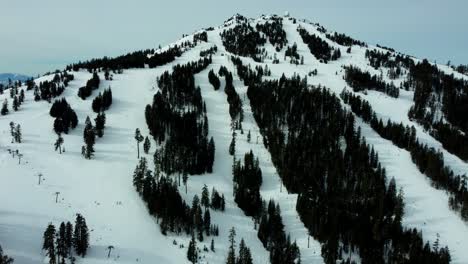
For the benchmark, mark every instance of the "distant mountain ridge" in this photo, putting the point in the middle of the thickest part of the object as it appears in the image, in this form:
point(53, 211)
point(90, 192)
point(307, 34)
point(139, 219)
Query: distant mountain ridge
point(4, 77)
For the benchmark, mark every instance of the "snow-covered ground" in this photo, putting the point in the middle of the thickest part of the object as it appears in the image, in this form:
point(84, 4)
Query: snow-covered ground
point(101, 189)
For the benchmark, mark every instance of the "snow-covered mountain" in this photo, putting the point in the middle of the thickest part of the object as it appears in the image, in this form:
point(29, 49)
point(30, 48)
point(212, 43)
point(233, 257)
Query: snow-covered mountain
point(305, 101)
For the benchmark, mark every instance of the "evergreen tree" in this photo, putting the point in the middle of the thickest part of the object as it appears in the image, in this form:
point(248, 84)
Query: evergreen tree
point(210, 156)
point(232, 146)
point(205, 197)
point(69, 237)
point(231, 258)
point(139, 138)
point(21, 96)
point(49, 243)
point(89, 139)
point(185, 179)
point(212, 245)
point(100, 122)
point(207, 221)
point(15, 103)
point(4, 110)
point(4, 259)
point(146, 145)
point(62, 250)
point(18, 134)
point(138, 175)
point(245, 257)
point(80, 236)
point(192, 253)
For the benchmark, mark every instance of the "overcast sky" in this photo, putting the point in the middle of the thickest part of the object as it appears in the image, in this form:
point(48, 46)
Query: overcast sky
point(38, 36)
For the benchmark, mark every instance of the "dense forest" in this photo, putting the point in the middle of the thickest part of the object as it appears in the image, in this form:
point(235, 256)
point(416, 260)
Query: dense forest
point(243, 40)
point(178, 118)
point(273, 29)
point(164, 201)
point(344, 40)
point(440, 105)
point(428, 160)
point(136, 59)
point(344, 199)
point(318, 47)
point(362, 80)
point(47, 90)
point(247, 178)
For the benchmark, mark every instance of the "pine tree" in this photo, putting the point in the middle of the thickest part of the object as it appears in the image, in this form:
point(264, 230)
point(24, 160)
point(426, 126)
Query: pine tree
point(223, 203)
point(207, 221)
point(146, 145)
point(185, 179)
point(248, 137)
point(211, 155)
point(192, 253)
point(212, 246)
point(69, 237)
point(100, 122)
point(80, 236)
point(138, 175)
point(49, 243)
point(232, 146)
point(139, 138)
point(21, 96)
point(231, 258)
point(89, 139)
point(62, 250)
point(4, 259)
point(18, 135)
point(15, 103)
point(4, 110)
point(205, 198)
point(245, 256)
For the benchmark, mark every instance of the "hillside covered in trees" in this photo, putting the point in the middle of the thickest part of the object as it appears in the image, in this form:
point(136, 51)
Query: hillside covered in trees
point(267, 140)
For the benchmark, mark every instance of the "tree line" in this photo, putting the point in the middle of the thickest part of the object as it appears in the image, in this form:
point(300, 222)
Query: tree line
point(247, 179)
point(440, 105)
point(318, 47)
point(428, 160)
point(361, 80)
point(60, 244)
point(274, 31)
point(178, 118)
point(163, 200)
point(344, 40)
point(136, 59)
point(343, 196)
point(47, 90)
point(243, 40)
point(208, 52)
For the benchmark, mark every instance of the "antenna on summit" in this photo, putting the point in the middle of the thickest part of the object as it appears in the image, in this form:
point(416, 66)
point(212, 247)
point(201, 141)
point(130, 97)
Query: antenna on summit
point(286, 14)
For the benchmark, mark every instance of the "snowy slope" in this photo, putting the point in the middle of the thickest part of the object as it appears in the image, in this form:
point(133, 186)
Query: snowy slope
point(101, 189)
